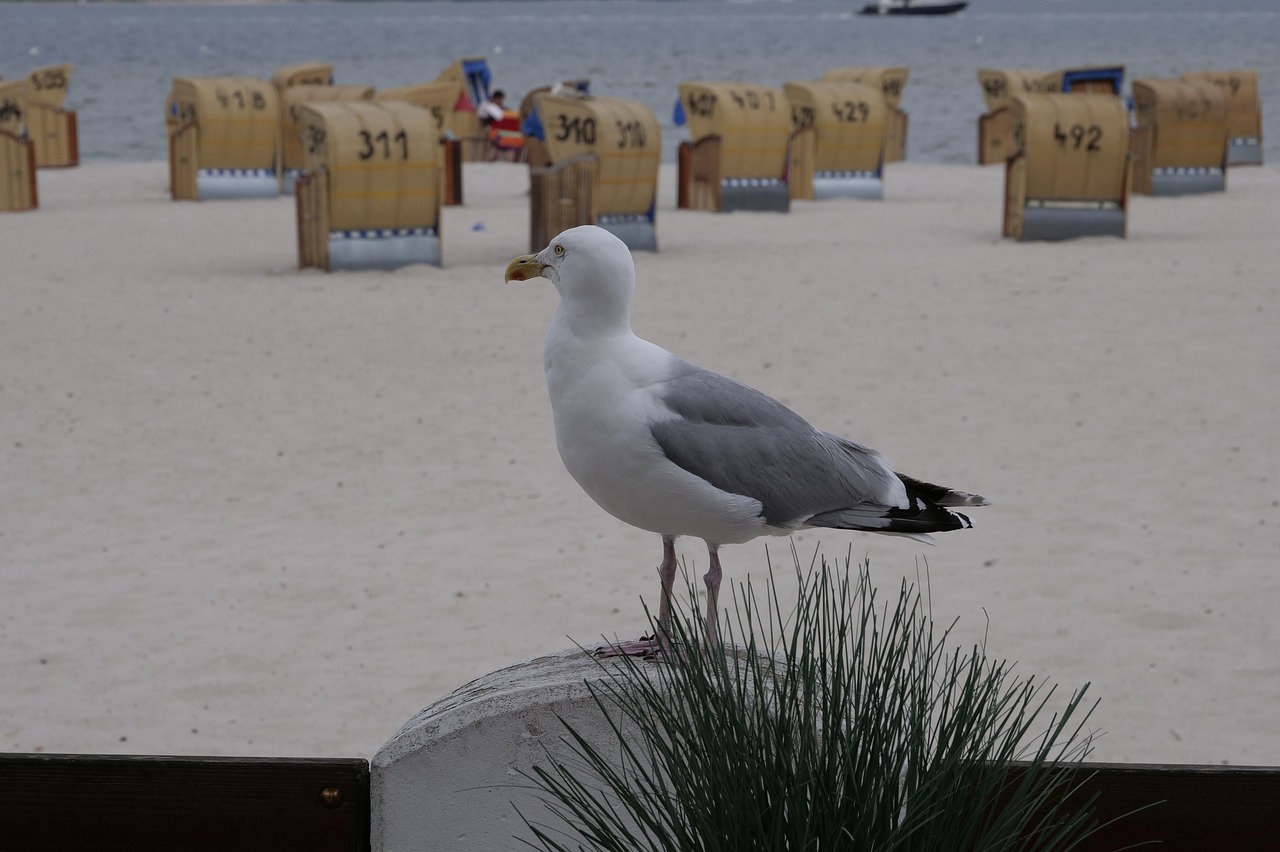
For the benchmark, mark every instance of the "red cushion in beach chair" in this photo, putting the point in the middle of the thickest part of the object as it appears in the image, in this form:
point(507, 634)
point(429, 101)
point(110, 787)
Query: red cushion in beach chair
point(505, 133)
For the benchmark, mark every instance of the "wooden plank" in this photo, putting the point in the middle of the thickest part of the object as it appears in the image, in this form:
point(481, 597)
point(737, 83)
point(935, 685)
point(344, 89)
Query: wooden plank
point(800, 167)
point(53, 803)
point(18, 189)
point(452, 196)
point(76, 802)
point(706, 191)
point(1182, 808)
point(561, 196)
point(684, 174)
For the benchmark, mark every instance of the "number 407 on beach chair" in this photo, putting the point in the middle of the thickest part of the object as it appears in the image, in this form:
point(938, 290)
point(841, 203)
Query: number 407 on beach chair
point(737, 155)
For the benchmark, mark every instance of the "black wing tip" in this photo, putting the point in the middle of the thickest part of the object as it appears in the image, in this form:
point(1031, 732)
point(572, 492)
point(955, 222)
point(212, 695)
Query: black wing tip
point(920, 518)
point(941, 495)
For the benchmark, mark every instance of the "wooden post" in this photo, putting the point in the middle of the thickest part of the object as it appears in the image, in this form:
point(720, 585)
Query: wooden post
point(311, 194)
point(705, 190)
point(560, 197)
point(800, 164)
point(452, 196)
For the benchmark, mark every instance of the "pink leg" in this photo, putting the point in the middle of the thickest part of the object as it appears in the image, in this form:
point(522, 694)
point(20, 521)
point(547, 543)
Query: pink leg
point(712, 579)
point(656, 645)
point(667, 573)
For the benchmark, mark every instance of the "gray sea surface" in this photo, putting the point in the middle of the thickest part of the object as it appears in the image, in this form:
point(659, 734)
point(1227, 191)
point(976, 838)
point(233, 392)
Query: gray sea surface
point(126, 54)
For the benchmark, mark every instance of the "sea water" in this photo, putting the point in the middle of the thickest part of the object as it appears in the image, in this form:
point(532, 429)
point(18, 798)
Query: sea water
point(126, 54)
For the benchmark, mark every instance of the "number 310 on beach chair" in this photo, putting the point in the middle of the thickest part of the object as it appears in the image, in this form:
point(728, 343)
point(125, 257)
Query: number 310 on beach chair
point(604, 155)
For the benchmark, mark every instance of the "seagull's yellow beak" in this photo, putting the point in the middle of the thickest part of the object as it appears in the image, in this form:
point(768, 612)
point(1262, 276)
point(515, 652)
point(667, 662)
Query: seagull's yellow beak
point(525, 267)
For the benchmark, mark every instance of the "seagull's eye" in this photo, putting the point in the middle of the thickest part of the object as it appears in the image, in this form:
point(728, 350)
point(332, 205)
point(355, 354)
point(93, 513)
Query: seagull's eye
point(559, 250)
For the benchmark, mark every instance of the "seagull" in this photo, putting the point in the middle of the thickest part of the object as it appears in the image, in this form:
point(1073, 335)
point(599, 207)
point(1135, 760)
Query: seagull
point(679, 450)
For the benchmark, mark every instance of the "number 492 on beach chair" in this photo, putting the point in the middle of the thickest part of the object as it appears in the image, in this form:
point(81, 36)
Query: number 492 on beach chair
point(1069, 174)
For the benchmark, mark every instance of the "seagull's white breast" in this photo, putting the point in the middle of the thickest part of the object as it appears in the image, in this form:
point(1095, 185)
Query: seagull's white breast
point(604, 396)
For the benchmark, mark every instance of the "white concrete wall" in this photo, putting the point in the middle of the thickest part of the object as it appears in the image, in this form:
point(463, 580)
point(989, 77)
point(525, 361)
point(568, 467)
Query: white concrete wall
point(450, 779)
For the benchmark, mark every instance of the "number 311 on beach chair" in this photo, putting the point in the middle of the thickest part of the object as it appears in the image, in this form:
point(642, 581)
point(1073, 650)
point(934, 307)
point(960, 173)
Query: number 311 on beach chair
point(1069, 173)
point(370, 195)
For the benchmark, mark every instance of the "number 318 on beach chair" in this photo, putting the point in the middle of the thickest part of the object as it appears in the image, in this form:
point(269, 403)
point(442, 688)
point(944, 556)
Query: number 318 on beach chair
point(224, 138)
point(1069, 173)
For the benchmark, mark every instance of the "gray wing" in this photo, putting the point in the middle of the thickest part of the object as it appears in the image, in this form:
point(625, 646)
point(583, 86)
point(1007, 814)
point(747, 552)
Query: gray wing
point(745, 442)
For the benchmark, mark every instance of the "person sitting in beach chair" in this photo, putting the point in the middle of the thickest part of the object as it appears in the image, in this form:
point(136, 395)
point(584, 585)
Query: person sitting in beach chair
point(502, 126)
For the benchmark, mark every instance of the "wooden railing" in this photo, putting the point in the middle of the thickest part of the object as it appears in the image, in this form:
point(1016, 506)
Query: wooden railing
point(76, 803)
point(52, 803)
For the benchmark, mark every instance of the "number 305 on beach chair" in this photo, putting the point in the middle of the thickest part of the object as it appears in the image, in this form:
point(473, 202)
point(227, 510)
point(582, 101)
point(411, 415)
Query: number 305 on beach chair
point(1069, 174)
point(50, 125)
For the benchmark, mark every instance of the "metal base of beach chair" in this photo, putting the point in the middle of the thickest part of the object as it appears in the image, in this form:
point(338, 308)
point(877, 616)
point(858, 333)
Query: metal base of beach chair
point(1188, 181)
point(236, 183)
point(754, 194)
point(383, 249)
point(636, 231)
point(867, 185)
point(1244, 151)
point(1045, 222)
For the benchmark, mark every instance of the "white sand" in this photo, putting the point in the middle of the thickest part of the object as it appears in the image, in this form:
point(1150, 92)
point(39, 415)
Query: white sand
point(251, 510)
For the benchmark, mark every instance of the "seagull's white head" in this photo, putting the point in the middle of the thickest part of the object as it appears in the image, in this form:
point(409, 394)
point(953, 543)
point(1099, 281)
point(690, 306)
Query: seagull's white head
point(592, 270)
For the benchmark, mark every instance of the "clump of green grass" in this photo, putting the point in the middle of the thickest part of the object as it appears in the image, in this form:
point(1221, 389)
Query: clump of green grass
point(848, 724)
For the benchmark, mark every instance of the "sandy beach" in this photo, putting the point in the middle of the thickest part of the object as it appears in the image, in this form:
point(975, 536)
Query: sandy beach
point(252, 510)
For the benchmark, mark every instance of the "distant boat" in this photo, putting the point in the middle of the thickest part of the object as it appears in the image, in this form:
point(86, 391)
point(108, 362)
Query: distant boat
point(907, 7)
